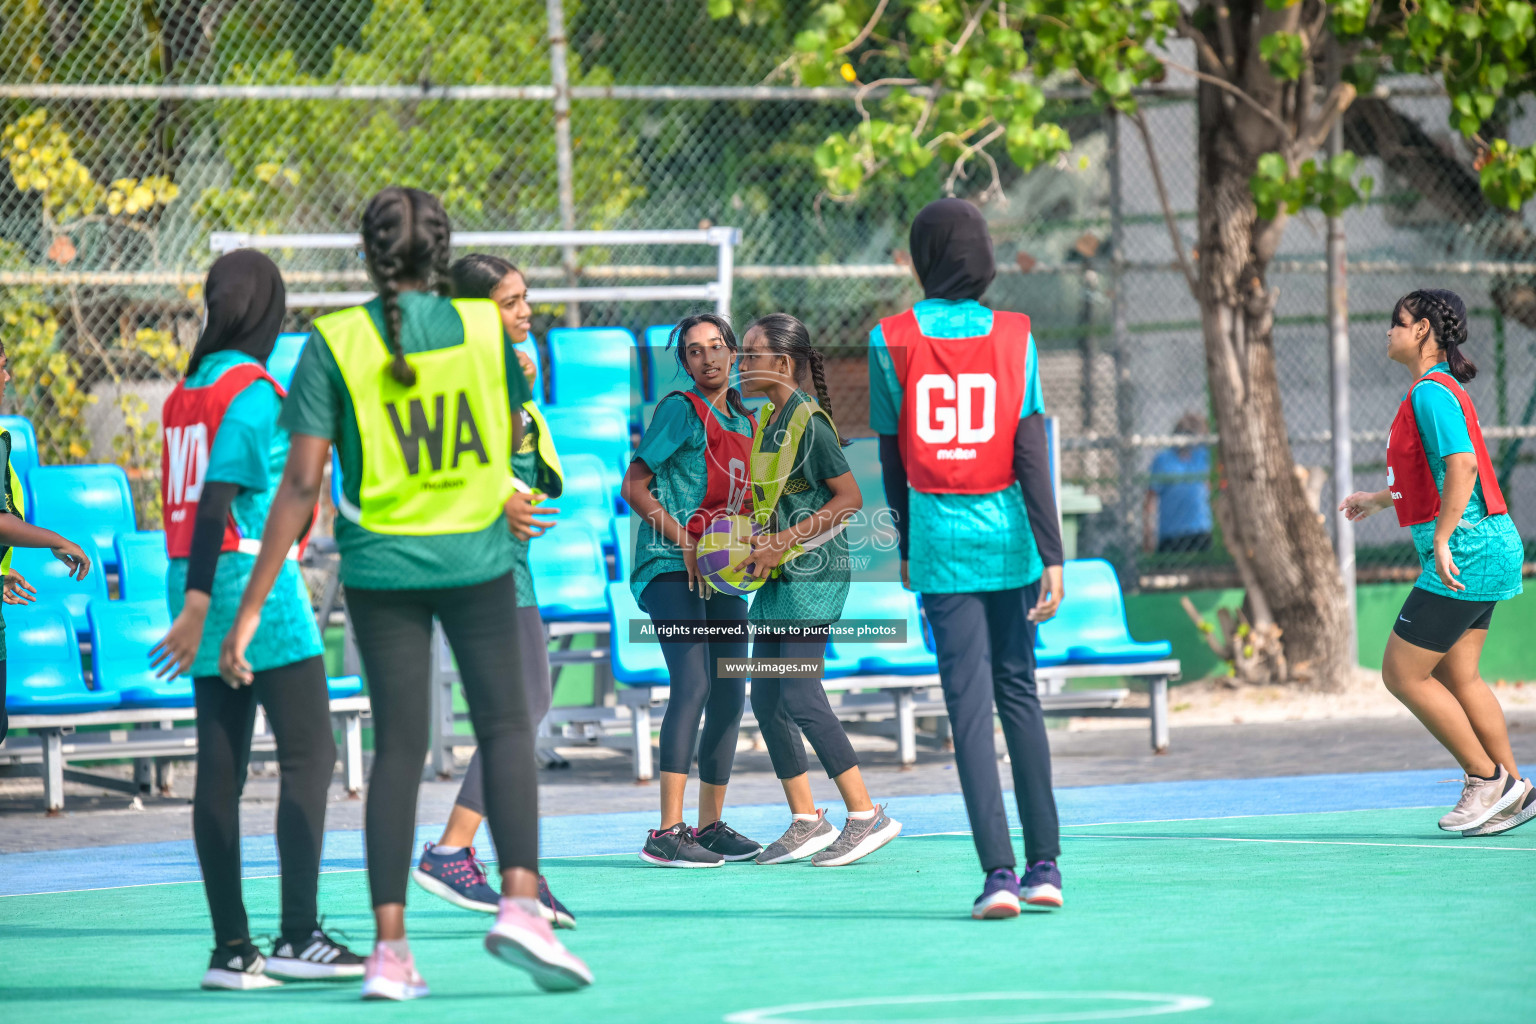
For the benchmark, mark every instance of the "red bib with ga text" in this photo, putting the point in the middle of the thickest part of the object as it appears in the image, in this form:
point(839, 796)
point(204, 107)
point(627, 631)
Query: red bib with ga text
point(960, 403)
point(189, 422)
point(727, 455)
point(1410, 481)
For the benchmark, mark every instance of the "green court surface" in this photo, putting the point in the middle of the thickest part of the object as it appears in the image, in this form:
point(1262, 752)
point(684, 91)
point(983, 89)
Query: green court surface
point(1351, 916)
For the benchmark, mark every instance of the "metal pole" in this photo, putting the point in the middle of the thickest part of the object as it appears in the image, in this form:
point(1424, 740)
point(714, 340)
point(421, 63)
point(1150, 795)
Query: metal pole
point(725, 267)
point(1125, 491)
point(1338, 388)
point(559, 77)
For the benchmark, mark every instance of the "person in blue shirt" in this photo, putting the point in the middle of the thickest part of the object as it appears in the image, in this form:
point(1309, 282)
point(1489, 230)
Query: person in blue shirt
point(988, 565)
point(1177, 514)
point(244, 298)
point(1441, 481)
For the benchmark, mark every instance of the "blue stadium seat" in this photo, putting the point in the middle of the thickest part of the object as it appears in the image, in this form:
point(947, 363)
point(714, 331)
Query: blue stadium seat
point(23, 444)
point(633, 664)
point(663, 373)
point(43, 664)
point(50, 577)
point(122, 633)
point(141, 565)
point(83, 502)
point(530, 347)
point(285, 357)
point(595, 366)
point(1090, 626)
point(622, 537)
point(569, 573)
point(345, 686)
point(596, 430)
point(884, 600)
point(587, 498)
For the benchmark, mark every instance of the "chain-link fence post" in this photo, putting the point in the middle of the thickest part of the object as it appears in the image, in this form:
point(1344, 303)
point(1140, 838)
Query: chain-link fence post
point(565, 169)
point(1125, 455)
point(1338, 387)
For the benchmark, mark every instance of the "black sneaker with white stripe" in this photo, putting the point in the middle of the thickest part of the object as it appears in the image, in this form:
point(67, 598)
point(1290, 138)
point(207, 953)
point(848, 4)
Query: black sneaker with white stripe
point(237, 969)
point(317, 958)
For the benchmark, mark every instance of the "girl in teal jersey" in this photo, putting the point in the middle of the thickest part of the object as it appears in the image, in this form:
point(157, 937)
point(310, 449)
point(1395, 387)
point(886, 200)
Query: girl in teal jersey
point(1471, 559)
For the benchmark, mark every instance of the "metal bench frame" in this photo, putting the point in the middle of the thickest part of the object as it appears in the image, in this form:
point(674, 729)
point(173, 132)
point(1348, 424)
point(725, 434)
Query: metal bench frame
point(152, 740)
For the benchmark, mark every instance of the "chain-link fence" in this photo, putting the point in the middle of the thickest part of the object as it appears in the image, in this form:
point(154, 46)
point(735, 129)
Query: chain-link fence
point(130, 138)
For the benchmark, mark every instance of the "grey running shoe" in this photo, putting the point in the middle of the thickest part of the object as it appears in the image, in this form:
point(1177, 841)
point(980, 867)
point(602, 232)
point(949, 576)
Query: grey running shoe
point(860, 838)
point(1513, 816)
point(1481, 799)
point(802, 839)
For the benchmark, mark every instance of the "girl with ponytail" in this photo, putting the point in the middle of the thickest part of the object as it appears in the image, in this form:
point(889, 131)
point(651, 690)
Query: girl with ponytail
point(421, 397)
point(1440, 480)
point(689, 470)
point(803, 492)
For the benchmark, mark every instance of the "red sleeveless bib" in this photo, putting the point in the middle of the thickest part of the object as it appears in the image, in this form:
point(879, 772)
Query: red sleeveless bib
point(189, 422)
point(960, 403)
point(1409, 479)
point(727, 456)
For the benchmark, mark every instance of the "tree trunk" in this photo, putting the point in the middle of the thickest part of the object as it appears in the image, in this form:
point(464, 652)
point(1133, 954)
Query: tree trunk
point(1293, 579)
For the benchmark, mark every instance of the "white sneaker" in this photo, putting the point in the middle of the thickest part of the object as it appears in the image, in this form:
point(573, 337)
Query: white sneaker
point(1481, 799)
point(1513, 816)
point(238, 970)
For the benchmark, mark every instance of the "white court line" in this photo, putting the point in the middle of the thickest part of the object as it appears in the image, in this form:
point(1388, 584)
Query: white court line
point(1323, 842)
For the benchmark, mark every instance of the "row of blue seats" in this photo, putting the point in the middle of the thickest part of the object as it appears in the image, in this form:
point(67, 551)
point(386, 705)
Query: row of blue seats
point(44, 671)
point(1089, 629)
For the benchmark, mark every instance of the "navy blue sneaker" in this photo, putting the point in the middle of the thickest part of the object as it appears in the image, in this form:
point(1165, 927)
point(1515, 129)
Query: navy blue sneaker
point(458, 878)
point(554, 911)
point(1042, 884)
point(999, 897)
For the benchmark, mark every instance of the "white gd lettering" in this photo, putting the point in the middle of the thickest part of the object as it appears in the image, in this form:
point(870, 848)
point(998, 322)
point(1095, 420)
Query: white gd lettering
point(941, 424)
point(738, 494)
point(188, 450)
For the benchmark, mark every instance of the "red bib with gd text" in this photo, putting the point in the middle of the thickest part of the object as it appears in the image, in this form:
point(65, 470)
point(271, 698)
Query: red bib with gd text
point(189, 422)
point(1415, 497)
point(727, 456)
point(960, 403)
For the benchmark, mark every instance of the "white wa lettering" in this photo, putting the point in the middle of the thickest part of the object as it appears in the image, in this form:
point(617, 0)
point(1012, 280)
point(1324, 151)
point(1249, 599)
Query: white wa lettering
point(942, 424)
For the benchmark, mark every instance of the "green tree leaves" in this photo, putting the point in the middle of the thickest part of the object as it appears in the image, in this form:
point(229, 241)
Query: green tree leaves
point(1328, 185)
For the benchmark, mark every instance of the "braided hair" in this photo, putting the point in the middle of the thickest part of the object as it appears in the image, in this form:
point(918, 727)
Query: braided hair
point(785, 335)
point(405, 242)
point(1447, 316)
point(678, 343)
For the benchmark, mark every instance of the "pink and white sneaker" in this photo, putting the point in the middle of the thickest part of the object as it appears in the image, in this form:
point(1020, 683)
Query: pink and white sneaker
point(526, 940)
point(386, 976)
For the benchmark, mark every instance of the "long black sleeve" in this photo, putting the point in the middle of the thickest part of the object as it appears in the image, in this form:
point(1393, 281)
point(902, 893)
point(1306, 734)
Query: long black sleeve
point(1032, 467)
point(208, 534)
point(893, 473)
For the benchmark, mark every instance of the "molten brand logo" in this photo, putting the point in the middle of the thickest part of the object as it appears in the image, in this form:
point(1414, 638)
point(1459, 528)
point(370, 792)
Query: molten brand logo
point(956, 414)
point(955, 454)
point(186, 450)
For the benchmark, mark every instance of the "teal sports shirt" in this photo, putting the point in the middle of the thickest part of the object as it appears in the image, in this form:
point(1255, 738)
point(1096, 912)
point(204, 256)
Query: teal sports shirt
point(248, 451)
point(960, 543)
point(1487, 549)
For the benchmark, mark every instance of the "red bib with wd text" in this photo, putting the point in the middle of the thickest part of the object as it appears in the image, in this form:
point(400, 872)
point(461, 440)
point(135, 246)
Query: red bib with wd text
point(189, 422)
point(727, 455)
point(960, 403)
point(1410, 481)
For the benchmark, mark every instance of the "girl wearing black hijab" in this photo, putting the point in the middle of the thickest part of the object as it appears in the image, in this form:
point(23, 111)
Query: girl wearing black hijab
point(223, 454)
point(955, 398)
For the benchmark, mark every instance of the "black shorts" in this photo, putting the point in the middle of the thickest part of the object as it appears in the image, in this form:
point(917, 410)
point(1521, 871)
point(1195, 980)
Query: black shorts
point(1435, 622)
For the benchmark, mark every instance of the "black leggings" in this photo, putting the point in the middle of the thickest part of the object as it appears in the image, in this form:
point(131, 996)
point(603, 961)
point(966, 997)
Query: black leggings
point(298, 707)
point(533, 646)
point(5, 720)
point(698, 691)
point(783, 704)
point(394, 636)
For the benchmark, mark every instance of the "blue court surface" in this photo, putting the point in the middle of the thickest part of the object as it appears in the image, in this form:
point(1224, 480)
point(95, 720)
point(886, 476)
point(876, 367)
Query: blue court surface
point(1330, 897)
